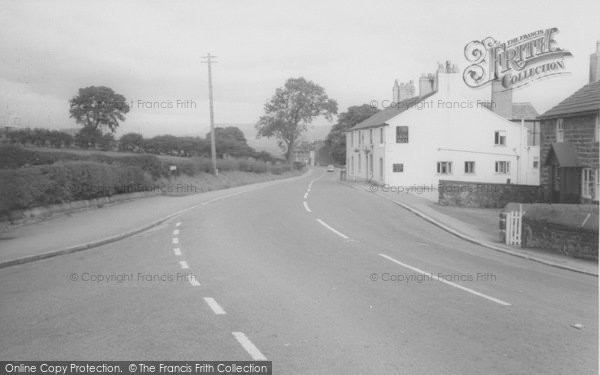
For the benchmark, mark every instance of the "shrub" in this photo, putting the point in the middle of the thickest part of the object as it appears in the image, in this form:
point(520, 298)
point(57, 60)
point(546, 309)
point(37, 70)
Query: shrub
point(69, 181)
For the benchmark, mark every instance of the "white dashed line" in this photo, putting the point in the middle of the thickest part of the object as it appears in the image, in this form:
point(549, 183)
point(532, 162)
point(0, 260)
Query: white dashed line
point(176, 232)
point(306, 206)
point(175, 241)
point(333, 230)
point(184, 264)
point(249, 346)
point(498, 301)
point(192, 280)
point(177, 251)
point(216, 308)
point(178, 223)
point(305, 195)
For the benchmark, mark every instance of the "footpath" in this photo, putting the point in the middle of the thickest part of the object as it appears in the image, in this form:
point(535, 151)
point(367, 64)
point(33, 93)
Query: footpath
point(476, 225)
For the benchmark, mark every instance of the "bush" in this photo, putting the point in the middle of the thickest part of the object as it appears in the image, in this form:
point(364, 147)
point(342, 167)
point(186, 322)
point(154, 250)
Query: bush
point(64, 182)
point(13, 156)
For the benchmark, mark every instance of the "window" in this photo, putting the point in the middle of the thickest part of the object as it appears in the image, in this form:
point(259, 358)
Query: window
point(587, 182)
point(351, 139)
point(444, 167)
point(398, 168)
point(359, 137)
point(503, 167)
point(500, 138)
point(597, 129)
point(370, 136)
point(469, 167)
point(362, 137)
point(560, 130)
point(359, 159)
point(381, 135)
point(536, 162)
point(401, 134)
point(381, 168)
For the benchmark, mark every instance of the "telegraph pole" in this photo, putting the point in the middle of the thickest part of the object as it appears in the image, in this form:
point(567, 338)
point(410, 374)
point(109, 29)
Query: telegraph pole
point(213, 149)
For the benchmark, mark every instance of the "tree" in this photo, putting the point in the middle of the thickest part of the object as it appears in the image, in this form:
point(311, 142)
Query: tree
point(88, 137)
point(231, 140)
point(293, 107)
point(131, 142)
point(336, 139)
point(98, 107)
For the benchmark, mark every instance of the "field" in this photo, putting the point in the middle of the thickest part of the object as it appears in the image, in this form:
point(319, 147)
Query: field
point(44, 176)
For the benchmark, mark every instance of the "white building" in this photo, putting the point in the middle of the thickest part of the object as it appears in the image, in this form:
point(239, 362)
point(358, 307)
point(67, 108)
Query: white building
point(447, 134)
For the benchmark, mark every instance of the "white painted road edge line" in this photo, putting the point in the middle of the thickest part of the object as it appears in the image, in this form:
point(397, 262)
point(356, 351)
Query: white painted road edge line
point(306, 206)
point(177, 251)
point(333, 230)
point(184, 264)
point(498, 301)
point(175, 241)
point(176, 232)
point(192, 280)
point(305, 195)
point(216, 308)
point(249, 346)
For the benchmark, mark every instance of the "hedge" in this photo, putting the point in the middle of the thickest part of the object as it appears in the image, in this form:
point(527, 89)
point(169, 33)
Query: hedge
point(69, 181)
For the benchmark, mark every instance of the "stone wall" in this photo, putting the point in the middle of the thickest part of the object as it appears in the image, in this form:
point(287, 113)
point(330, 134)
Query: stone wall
point(569, 240)
point(486, 195)
point(579, 131)
point(570, 229)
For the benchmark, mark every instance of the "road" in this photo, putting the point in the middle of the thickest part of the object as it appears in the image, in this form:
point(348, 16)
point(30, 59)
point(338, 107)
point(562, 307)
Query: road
point(316, 276)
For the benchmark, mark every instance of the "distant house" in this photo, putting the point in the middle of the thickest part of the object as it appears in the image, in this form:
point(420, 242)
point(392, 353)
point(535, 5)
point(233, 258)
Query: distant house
point(526, 113)
point(447, 133)
point(569, 149)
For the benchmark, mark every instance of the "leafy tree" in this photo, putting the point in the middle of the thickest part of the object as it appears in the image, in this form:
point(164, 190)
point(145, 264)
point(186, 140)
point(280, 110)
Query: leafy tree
point(231, 140)
point(97, 107)
point(336, 139)
point(131, 142)
point(88, 137)
point(293, 107)
point(106, 142)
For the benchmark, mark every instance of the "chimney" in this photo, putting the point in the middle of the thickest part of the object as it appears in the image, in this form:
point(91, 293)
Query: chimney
point(502, 100)
point(595, 64)
point(396, 92)
point(403, 91)
point(427, 84)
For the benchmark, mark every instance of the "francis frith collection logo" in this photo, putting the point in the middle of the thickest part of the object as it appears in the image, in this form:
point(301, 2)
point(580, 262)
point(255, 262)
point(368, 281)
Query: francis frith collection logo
point(517, 62)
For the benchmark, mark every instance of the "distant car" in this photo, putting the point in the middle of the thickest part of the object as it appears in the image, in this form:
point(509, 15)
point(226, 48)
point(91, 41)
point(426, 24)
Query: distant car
point(330, 168)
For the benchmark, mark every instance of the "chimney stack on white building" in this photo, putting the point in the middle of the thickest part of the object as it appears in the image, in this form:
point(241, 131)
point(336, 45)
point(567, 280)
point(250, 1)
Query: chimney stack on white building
point(403, 91)
point(595, 64)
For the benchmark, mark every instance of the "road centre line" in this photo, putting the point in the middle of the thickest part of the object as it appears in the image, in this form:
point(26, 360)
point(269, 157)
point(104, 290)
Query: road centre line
point(175, 241)
point(177, 251)
point(184, 264)
point(249, 346)
point(176, 232)
point(215, 307)
point(496, 300)
point(306, 206)
point(333, 230)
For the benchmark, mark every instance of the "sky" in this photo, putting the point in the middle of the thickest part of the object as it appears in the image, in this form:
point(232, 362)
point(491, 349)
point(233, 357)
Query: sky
point(151, 51)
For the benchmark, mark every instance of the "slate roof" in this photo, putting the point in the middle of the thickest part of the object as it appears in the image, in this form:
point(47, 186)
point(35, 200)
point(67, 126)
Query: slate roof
point(564, 153)
point(392, 111)
point(524, 111)
point(586, 99)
